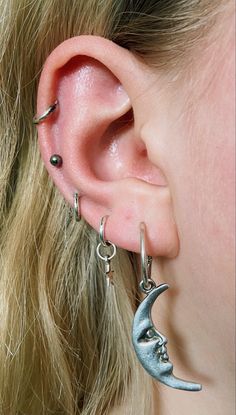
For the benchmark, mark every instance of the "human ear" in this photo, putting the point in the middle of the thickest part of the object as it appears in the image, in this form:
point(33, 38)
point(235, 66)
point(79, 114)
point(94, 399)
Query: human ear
point(96, 129)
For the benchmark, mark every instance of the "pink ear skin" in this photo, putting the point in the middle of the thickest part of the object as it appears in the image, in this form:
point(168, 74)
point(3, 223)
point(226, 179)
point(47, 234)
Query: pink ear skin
point(96, 129)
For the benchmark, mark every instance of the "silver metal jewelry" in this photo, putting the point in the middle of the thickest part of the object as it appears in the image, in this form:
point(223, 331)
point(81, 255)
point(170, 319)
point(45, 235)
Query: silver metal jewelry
point(76, 209)
point(105, 245)
point(49, 110)
point(146, 263)
point(103, 241)
point(148, 342)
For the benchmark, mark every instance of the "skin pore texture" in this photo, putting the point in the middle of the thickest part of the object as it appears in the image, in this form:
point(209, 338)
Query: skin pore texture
point(173, 169)
point(198, 314)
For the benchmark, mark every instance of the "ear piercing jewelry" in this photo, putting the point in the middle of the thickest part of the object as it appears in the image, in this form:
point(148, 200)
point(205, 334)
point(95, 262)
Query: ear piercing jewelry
point(56, 160)
point(103, 246)
point(148, 342)
point(76, 209)
point(49, 110)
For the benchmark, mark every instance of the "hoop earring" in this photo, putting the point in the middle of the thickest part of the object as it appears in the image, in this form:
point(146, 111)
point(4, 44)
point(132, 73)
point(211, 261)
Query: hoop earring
point(104, 244)
point(148, 342)
point(49, 110)
point(76, 209)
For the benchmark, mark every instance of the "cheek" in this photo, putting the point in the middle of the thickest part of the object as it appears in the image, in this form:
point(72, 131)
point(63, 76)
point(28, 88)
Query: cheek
point(197, 155)
point(208, 195)
point(199, 163)
point(210, 160)
point(200, 172)
point(204, 158)
point(211, 179)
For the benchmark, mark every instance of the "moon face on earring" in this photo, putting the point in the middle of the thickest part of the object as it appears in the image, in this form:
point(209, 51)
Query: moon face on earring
point(150, 345)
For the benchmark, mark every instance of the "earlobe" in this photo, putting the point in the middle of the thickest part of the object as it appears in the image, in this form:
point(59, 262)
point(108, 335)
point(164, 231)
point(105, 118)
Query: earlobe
point(93, 130)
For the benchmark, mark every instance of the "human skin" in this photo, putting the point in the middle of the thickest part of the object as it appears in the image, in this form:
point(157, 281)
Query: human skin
point(181, 153)
point(198, 314)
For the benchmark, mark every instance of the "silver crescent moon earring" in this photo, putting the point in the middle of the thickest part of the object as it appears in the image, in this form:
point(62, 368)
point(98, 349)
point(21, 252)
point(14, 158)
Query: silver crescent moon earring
point(148, 342)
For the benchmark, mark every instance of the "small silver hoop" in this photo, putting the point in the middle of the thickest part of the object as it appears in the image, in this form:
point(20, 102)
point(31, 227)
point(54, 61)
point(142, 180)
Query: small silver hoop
point(148, 289)
point(37, 120)
point(104, 242)
point(146, 262)
point(106, 257)
point(76, 210)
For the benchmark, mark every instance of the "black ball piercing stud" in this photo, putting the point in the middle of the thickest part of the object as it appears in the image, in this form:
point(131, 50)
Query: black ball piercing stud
point(56, 160)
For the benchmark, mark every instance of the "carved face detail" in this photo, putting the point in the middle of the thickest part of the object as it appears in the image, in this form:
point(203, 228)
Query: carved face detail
point(150, 345)
point(153, 344)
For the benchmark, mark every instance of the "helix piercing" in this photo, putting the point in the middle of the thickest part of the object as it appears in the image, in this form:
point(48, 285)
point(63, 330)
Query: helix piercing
point(76, 210)
point(56, 160)
point(49, 110)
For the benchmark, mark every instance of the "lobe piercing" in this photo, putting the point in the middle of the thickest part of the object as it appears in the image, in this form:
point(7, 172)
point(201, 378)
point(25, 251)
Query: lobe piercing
point(106, 258)
point(149, 344)
point(56, 160)
point(49, 110)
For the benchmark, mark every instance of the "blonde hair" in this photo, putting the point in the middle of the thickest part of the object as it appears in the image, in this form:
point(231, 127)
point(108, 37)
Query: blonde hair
point(65, 345)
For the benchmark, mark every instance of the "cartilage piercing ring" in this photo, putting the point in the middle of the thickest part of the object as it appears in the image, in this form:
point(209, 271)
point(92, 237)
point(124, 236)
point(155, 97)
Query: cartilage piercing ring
point(49, 110)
